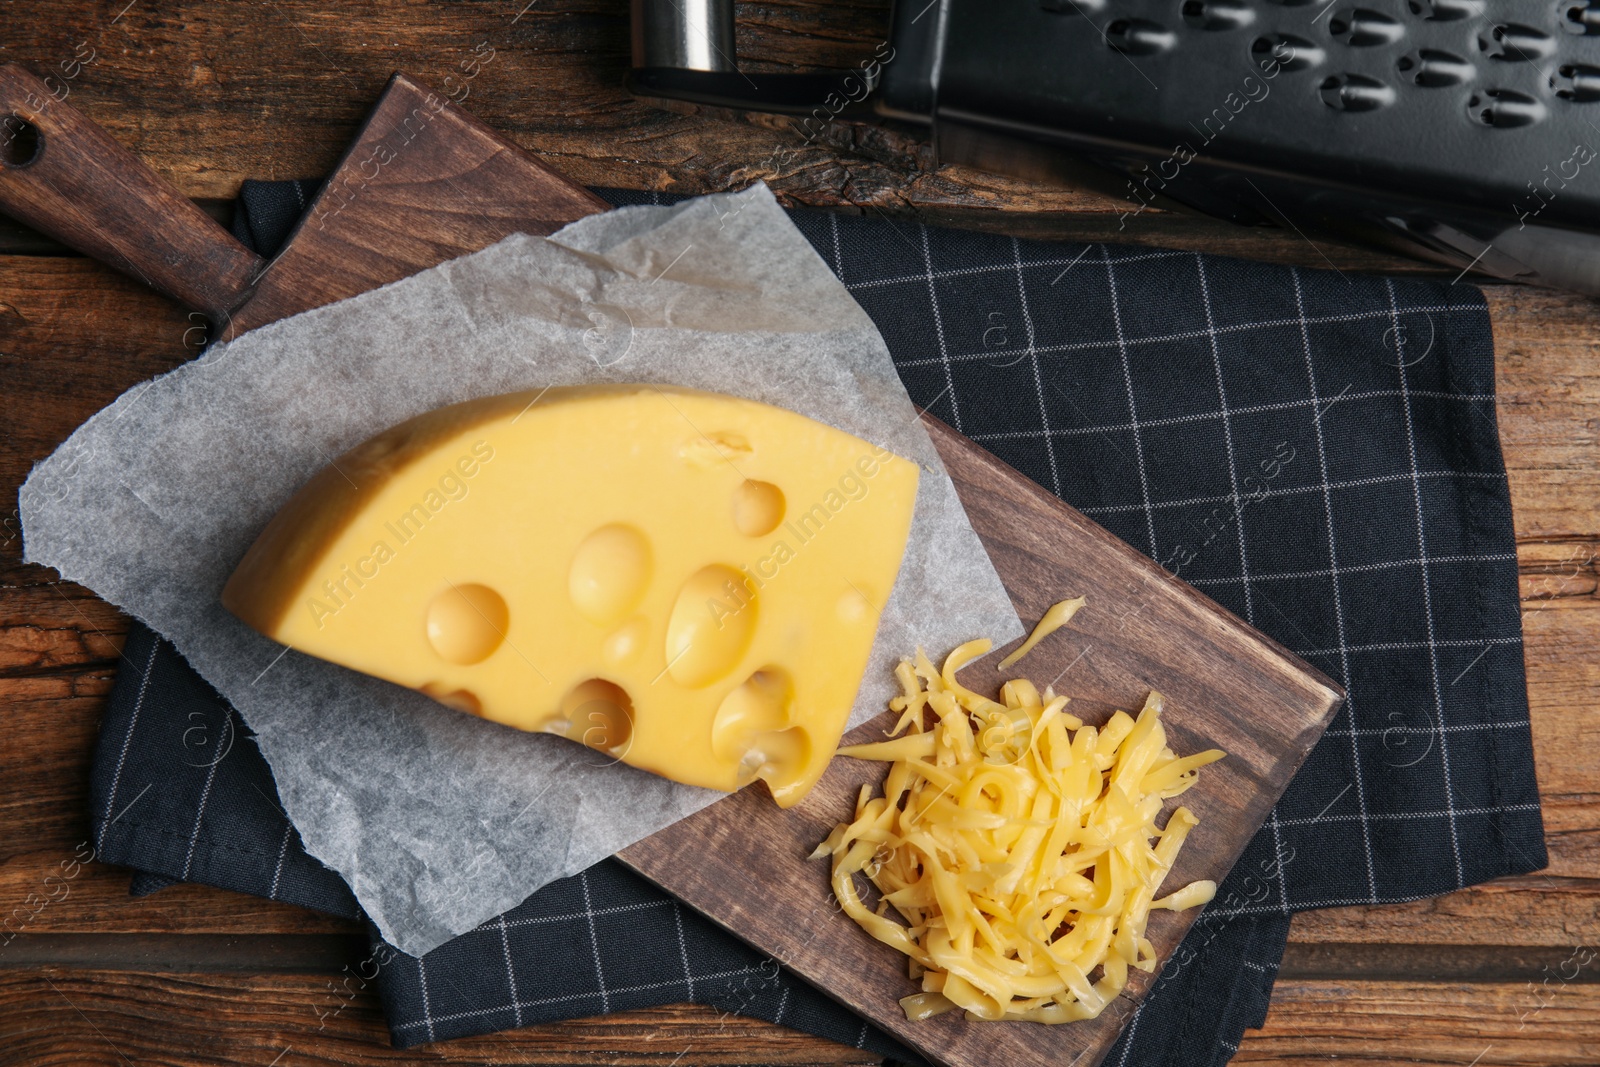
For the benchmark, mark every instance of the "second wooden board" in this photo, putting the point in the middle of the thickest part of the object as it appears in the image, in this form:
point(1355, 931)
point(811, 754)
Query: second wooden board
point(743, 863)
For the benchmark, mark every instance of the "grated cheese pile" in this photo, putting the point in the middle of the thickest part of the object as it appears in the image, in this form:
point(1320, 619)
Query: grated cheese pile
point(1019, 845)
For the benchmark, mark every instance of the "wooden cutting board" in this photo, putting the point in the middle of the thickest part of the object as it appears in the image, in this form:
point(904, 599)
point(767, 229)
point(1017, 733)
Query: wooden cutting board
point(742, 861)
point(425, 182)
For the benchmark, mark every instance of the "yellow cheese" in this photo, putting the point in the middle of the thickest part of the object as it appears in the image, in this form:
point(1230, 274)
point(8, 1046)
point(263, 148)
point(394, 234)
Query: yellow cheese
point(1059, 615)
point(686, 581)
point(1016, 843)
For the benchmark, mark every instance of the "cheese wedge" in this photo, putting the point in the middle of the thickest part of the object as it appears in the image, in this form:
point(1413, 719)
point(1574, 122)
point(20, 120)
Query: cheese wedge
point(686, 581)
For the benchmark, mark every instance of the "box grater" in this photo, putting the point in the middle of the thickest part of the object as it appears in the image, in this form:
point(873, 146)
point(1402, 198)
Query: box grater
point(1461, 131)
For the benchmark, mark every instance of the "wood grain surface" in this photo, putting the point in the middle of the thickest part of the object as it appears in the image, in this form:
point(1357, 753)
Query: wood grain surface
point(1227, 686)
point(423, 182)
point(103, 1018)
point(211, 94)
point(70, 179)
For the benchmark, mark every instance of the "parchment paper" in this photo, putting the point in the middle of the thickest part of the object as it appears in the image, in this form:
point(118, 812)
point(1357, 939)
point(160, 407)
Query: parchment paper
point(438, 820)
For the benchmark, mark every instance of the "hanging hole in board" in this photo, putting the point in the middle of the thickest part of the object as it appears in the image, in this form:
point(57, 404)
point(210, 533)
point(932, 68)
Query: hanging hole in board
point(19, 141)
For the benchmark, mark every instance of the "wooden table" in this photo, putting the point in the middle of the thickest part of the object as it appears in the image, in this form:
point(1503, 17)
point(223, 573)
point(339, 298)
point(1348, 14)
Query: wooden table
point(211, 94)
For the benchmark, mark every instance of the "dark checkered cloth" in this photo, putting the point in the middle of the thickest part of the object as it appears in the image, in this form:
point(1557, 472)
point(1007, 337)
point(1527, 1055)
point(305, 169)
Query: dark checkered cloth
point(1316, 451)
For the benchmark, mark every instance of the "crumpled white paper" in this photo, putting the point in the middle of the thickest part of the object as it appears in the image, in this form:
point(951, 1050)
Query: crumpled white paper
point(438, 820)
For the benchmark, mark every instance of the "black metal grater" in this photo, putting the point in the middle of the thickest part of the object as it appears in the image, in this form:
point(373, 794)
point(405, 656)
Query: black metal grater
point(1462, 131)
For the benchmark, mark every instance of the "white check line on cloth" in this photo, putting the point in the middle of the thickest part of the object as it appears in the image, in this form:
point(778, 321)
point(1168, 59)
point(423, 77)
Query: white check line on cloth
point(568, 998)
point(1038, 377)
point(1338, 600)
point(1133, 408)
point(938, 329)
point(1427, 586)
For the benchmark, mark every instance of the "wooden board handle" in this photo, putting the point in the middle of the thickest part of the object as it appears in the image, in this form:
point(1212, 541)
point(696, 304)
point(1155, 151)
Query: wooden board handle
point(68, 178)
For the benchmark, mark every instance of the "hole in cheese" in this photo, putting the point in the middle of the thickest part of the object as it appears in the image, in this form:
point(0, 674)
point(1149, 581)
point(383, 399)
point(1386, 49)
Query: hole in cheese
point(761, 704)
point(609, 573)
point(711, 624)
point(597, 713)
point(757, 508)
point(780, 757)
point(458, 699)
point(466, 623)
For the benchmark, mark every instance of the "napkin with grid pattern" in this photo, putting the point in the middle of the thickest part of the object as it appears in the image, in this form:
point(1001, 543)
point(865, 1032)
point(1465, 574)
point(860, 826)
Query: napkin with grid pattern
point(1317, 452)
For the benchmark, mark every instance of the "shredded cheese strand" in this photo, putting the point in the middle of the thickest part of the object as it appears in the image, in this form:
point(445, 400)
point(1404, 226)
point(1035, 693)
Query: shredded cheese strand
point(1019, 846)
point(1054, 619)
